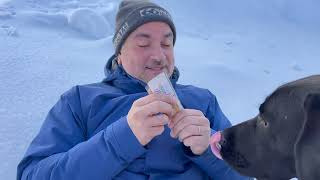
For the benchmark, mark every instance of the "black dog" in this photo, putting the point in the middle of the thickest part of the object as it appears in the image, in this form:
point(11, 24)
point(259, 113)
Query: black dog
point(283, 140)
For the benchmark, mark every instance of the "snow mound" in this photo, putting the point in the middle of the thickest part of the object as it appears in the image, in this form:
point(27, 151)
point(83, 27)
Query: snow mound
point(46, 19)
point(90, 23)
point(109, 13)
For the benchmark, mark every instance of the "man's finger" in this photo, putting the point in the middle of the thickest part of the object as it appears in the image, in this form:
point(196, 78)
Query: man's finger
point(155, 97)
point(157, 120)
point(183, 123)
point(156, 130)
point(190, 130)
point(191, 140)
point(156, 108)
point(182, 114)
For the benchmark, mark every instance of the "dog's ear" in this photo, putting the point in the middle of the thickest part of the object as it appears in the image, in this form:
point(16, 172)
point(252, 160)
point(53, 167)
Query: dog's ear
point(307, 147)
point(312, 103)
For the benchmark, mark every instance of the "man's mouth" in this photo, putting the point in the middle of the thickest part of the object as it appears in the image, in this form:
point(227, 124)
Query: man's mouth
point(156, 69)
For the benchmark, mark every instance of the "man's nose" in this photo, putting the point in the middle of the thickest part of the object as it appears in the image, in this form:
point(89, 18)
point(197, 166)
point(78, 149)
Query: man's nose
point(158, 53)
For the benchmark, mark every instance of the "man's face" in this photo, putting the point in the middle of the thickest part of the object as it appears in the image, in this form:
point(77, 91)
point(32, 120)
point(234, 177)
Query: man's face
point(148, 51)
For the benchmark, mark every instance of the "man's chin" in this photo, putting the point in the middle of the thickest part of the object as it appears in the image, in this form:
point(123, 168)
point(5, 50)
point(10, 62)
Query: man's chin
point(150, 74)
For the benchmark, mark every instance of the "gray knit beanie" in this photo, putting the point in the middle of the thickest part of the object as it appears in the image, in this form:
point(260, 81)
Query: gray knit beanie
point(134, 13)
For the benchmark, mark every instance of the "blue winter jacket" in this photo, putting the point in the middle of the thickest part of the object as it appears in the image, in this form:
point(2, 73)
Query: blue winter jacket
point(86, 137)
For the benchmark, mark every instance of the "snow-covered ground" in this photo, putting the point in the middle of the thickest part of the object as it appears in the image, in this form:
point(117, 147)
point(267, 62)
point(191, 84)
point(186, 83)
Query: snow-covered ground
point(240, 50)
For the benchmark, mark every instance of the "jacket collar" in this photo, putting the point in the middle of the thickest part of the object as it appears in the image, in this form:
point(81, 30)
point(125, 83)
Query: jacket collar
point(118, 77)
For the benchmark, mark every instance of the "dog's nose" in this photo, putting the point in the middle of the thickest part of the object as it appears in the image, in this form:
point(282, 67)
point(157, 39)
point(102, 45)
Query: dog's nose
point(223, 141)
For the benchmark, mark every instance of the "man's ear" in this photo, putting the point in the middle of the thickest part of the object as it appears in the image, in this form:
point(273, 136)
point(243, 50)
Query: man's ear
point(307, 147)
point(119, 61)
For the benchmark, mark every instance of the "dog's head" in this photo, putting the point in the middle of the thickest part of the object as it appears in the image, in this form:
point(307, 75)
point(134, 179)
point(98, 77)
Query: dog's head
point(263, 147)
point(307, 147)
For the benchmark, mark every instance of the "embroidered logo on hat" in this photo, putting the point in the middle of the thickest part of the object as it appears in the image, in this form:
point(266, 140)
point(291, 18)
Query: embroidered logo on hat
point(121, 33)
point(154, 12)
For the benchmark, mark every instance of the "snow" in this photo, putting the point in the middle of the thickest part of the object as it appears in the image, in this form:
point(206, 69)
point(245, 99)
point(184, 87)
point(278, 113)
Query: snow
point(240, 50)
point(8, 31)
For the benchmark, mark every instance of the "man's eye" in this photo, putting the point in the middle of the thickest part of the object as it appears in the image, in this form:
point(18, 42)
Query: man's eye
point(143, 45)
point(166, 45)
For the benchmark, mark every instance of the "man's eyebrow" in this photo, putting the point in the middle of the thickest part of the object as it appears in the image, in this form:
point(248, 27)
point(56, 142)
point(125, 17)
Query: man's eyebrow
point(142, 35)
point(168, 35)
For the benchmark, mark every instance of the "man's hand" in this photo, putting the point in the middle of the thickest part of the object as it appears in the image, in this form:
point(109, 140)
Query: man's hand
point(192, 128)
point(148, 115)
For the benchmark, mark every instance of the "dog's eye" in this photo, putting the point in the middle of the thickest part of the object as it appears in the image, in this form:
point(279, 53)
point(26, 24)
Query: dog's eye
point(265, 123)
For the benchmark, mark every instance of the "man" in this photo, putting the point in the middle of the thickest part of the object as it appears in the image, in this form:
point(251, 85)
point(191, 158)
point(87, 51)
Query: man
point(115, 130)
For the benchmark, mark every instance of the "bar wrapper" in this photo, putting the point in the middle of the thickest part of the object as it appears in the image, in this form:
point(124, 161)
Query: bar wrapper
point(162, 85)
